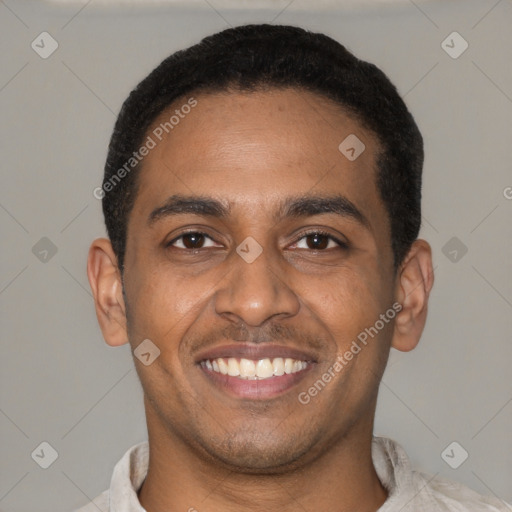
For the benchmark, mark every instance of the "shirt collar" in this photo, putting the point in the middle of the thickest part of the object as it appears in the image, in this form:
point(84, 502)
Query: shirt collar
point(127, 478)
point(389, 459)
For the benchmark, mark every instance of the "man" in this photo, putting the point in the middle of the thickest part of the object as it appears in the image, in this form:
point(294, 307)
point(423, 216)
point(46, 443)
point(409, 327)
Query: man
point(262, 200)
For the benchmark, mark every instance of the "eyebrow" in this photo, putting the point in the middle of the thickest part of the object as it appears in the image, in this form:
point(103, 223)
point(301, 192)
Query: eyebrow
point(306, 206)
point(197, 205)
point(301, 206)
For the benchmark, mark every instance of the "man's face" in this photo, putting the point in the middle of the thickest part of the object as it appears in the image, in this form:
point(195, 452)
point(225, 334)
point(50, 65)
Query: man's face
point(263, 157)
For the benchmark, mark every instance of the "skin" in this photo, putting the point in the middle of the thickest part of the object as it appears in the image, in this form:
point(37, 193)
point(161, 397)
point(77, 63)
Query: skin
point(213, 451)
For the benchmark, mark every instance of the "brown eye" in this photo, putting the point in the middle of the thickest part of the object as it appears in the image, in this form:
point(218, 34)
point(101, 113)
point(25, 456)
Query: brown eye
point(317, 241)
point(192, 240)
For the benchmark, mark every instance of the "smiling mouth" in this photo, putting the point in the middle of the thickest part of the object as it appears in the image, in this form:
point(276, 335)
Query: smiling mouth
point(255, 372)
point(249, 369)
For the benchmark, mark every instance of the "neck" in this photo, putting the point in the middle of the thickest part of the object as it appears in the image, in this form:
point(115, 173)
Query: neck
point(342, 478)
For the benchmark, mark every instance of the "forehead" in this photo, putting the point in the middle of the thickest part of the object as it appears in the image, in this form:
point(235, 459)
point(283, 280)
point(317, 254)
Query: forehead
point(251, 149)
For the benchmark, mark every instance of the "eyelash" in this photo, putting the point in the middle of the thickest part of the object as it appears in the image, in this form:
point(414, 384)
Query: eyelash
point(341, 244)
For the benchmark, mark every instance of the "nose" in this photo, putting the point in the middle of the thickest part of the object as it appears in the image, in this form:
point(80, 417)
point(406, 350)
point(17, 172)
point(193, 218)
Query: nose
point(255, 292)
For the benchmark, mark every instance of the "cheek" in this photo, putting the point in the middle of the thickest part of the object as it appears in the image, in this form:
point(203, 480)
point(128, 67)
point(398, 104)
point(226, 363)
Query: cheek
point(165, 305)
point(351, 302)
point(162, 293)
point(156, 303)
point(162, 312)
point(353, 290)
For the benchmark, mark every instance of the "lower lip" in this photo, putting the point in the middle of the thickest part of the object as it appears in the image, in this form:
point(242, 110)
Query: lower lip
point(256, 389)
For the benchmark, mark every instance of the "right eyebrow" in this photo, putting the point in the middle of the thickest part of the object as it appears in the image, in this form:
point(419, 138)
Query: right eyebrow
point(179, 204)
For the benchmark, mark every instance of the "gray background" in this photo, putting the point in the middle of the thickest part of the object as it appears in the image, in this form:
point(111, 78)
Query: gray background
point(61, 383)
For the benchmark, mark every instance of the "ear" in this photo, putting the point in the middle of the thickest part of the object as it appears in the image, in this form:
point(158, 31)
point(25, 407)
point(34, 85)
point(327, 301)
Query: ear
point(414, 281)
point(106, 285)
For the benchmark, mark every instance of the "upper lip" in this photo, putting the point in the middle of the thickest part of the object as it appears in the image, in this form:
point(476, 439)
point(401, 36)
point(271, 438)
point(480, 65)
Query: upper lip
point(251, 351)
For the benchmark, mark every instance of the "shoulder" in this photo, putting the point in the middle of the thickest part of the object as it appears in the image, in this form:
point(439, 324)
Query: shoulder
point(452, 496)
point(410, 490)
point(98, 504)
point(128, 475)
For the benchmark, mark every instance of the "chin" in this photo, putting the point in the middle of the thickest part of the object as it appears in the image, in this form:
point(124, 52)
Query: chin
point(257, 453)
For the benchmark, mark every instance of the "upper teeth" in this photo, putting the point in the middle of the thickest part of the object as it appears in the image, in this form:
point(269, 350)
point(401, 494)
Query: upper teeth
point(249, 369)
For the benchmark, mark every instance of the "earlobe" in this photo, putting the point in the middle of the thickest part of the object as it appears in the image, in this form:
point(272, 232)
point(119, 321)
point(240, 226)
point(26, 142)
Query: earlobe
point(106, 285)
point(415, 279)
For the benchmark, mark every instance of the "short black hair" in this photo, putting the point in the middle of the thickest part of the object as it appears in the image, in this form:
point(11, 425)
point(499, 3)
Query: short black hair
point(251, 57)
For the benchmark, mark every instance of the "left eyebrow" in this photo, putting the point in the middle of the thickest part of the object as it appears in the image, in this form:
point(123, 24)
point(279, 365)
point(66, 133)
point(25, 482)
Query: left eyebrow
point(305, 206)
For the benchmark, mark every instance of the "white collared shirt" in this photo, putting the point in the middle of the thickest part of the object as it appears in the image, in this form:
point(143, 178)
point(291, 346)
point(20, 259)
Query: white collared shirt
point(408, 490)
